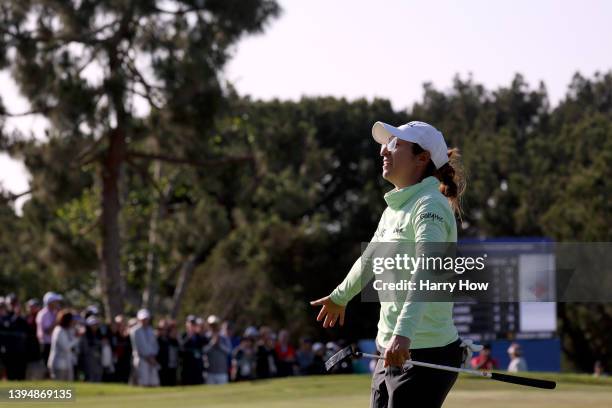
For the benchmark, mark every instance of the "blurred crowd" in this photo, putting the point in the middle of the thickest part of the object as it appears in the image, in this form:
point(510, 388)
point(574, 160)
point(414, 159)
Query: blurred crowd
point(485, 361)
point(46, 340)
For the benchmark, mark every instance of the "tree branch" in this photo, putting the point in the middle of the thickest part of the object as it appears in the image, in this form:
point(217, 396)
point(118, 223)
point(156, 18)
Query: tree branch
point(80, 159)
point(147, 96)
point(87, 229)
point(13, 197)
point(91, 59)
point(28, 113)
point(178, 12)
point(59, 40)
point(186, 272)
point(150, 94)
point(144, 173)
point(196, 163)
point(131, 64)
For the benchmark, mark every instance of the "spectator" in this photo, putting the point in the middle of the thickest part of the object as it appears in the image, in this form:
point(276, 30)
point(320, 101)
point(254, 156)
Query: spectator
point(199, 326)
point(144, 350)
point(285, 354)
point(331, 348)
point(484, 361)
point(3, 335)
point(168, 352)
point(45, 322)
point(216, 352)
point(122, 349)
point(91, 310)
point(304, 356)
point(265, 364)
point(35, 369)
point(108, 363)
point(192, 343)
point(62, 356)
point(228, 330)
point(132, 322)
point(90, 349)
point(92, 313)
point(243, 357)
point(517, 362)
point(318, 360)
point(598, 369)
point(15, 340)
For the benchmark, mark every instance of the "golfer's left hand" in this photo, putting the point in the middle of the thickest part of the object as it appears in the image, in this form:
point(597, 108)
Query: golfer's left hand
point(398, 351)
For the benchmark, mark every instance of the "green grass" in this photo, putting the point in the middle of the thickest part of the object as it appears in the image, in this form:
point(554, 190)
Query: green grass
point(331, 391)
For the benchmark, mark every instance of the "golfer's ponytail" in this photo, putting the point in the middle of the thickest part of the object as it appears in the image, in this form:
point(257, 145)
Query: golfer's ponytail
point(451, 176)
point(452, 180)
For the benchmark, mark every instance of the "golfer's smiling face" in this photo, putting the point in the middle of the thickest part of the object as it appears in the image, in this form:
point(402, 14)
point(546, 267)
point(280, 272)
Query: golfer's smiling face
point(399, 163)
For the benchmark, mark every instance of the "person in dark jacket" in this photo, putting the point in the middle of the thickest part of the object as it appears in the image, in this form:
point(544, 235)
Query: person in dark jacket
point(122, 349)
point(35, 369)
point(90, 349)
point(243, 357)
point(192, 344)
point(16, 328)
point(167, 357)
point(265, 357)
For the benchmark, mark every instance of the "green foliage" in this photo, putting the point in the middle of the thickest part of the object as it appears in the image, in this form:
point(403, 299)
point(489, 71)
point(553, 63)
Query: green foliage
point(85, 66)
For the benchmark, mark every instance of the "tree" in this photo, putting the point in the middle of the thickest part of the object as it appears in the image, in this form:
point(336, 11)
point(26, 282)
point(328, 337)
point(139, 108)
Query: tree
point(87, 66)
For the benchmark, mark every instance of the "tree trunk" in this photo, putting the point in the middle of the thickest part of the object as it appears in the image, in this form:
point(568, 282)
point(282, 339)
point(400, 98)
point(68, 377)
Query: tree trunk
point(181, 286)
point(110, 270)
point(152, 277)
point(185, 274)
point(113, 286)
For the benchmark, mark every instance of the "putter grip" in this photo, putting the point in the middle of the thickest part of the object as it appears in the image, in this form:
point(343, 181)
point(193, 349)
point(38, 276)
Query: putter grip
point(530, 382)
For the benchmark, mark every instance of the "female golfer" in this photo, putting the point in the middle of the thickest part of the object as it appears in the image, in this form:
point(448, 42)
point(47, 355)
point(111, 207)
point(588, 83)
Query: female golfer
point(421, 208)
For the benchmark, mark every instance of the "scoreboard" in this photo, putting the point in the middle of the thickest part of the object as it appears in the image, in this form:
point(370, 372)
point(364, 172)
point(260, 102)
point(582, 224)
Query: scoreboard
point(523, 274)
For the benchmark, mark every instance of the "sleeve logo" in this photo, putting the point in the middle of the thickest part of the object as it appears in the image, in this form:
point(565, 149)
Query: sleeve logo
point(431, 215)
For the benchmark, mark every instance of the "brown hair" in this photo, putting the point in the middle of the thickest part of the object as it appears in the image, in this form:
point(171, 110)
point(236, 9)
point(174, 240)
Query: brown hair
point(64, 318)
point(450, 175)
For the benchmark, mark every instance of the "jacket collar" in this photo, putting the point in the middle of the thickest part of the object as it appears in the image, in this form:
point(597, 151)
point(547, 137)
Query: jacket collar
point(396, 199)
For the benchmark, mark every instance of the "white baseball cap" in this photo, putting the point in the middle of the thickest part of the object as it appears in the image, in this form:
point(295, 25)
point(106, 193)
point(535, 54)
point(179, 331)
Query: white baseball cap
point(212, 319)
point(52, 297)
point(92, 321)
point(143, 314)
point(251, 331)
point(93, 309)
point(421, 133)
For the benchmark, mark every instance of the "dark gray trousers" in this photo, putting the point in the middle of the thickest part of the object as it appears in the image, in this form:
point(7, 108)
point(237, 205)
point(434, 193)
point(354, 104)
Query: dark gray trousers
point(419, 387)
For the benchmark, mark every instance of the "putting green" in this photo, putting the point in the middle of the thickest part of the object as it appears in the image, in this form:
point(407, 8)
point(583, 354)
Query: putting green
point(330, 391)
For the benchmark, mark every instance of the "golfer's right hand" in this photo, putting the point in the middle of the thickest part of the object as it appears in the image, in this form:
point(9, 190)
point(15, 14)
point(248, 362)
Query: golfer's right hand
point(330, 312)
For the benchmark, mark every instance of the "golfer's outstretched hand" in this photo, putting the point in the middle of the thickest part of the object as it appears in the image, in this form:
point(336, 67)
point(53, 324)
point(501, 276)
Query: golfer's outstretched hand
point(398, 351)
point(330, 312)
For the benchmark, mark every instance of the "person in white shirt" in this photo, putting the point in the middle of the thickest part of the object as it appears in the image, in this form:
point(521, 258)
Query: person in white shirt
point(517, 362)
point(145, 348)
point(62, 356)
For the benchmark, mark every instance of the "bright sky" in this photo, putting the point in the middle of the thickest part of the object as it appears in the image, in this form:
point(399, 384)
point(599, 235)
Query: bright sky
point(388, 48)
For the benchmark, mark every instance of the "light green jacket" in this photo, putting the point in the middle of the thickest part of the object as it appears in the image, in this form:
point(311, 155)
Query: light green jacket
point(417, 213)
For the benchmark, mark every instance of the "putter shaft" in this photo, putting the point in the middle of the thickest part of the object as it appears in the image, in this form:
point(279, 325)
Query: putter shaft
point(430, 365)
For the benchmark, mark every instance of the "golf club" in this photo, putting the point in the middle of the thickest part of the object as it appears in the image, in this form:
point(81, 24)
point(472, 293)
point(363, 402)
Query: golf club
point(514, 379)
